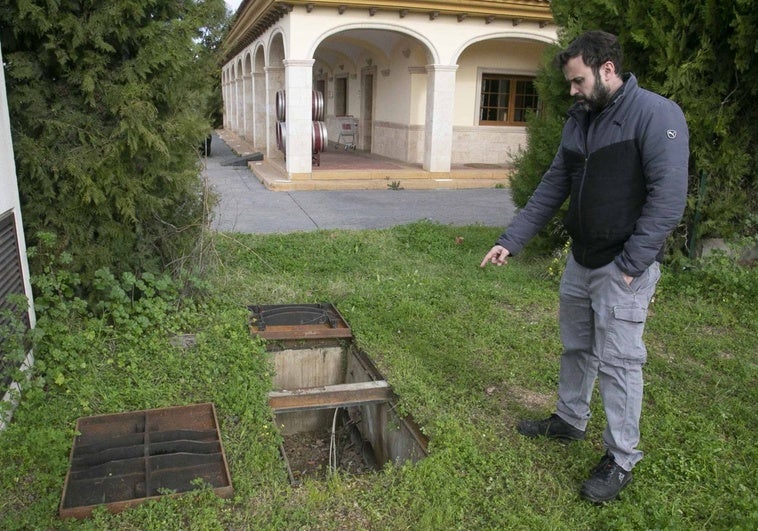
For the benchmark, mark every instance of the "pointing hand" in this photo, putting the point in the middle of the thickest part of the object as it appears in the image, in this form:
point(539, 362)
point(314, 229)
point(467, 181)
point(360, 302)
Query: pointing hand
point(497, 255)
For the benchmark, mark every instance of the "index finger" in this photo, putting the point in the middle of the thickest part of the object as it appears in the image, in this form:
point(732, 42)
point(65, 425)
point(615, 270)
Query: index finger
point(489, 257)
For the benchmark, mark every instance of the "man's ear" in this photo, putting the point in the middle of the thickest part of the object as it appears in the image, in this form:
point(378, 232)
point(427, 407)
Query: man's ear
point(609, 70)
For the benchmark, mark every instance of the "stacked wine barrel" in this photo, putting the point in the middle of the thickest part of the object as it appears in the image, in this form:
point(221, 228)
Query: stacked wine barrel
point(319, 140)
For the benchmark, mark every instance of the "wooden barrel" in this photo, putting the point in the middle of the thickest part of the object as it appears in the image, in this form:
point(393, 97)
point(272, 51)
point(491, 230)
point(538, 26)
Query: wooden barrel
point(281, 106)
point(317, 106)
point(281, 136)
point(319, 139)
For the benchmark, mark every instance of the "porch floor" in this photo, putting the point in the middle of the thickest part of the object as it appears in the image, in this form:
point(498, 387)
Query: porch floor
point(341, 169)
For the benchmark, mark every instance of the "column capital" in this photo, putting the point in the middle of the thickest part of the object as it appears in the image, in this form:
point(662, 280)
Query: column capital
point(441, 68)
point(305, 63)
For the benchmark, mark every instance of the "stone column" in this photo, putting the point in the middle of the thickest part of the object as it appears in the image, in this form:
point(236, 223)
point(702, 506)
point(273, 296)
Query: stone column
point(249, 99)
point(225, 96)
point(239, 106)
point(233, 103)
point(299, 86)
point(438, 135)
point(259, 110)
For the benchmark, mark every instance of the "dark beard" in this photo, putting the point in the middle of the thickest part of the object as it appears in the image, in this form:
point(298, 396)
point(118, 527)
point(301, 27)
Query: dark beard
point(599, 98)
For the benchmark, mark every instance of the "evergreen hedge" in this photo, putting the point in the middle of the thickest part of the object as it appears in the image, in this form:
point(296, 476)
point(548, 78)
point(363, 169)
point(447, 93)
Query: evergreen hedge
point(109, 104)
point(701, 54)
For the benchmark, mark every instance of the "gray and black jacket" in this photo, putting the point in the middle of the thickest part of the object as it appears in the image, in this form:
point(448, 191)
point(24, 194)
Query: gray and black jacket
point(625, 172)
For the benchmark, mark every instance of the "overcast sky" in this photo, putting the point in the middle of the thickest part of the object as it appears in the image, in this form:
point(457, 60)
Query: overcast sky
point(233, 5)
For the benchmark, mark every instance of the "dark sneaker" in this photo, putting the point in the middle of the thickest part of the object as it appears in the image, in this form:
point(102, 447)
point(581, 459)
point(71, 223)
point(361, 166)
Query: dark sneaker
point(553, 427)
point(607, 479)
point(601, 465)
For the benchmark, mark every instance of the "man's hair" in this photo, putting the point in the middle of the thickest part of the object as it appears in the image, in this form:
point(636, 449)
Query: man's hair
point(596, 48)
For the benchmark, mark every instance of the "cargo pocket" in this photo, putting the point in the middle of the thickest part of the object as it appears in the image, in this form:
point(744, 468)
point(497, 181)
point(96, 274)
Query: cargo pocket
point(624, 338)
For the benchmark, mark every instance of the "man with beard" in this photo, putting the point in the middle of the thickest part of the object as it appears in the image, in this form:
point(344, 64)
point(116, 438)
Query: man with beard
point(622, 164)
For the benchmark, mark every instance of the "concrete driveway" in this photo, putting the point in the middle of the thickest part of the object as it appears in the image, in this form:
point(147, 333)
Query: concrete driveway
point(246, 206)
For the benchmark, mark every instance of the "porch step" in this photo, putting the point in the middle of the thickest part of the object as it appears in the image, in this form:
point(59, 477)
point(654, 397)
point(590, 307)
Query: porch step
point(283, 185)
point(274, 178)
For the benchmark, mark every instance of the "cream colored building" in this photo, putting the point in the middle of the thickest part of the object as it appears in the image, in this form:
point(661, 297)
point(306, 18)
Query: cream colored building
point(438, 84)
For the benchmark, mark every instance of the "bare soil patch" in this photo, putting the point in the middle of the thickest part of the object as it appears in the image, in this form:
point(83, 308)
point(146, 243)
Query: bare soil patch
point(308, 453)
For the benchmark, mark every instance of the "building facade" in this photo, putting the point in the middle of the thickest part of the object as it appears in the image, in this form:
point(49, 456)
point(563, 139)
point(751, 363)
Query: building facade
point(435, 83)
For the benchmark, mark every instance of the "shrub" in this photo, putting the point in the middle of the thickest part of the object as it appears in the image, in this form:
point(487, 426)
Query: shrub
point(701, 55)
point(108, 104)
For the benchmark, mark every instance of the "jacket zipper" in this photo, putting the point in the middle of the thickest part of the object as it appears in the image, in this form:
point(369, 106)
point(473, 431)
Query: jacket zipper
point(586, 162)
point(580, 195)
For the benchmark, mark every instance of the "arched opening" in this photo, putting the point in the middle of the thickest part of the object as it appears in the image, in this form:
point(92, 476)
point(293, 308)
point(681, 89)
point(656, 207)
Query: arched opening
point(374, 79)
point(259, 97)
point(274, 83)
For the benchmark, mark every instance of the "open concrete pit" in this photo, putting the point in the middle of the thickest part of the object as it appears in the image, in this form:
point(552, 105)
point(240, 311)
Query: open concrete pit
point(334, 409)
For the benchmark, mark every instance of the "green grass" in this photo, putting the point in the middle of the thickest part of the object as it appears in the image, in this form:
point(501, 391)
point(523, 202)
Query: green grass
point(468, 351)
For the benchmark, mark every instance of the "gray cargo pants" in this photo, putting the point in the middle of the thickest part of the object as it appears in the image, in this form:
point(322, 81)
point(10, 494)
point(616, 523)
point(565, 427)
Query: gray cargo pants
point(601, 321)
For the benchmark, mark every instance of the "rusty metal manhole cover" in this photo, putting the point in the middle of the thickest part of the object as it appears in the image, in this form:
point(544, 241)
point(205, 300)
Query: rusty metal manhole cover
point(298, 321)
point(124, 459)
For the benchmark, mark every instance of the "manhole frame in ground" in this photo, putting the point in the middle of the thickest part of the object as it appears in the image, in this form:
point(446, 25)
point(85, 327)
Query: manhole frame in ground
point(361, 387)
point(284, 322)
point(176, 443)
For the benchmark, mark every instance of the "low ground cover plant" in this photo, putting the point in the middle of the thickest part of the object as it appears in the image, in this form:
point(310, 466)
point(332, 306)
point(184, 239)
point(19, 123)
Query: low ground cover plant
point(468, 351)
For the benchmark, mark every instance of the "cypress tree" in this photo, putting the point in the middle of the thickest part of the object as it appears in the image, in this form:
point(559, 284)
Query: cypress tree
point(109, 105)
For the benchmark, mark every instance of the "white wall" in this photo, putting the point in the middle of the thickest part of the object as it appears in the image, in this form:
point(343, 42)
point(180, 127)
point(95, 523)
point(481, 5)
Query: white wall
point(9, 201)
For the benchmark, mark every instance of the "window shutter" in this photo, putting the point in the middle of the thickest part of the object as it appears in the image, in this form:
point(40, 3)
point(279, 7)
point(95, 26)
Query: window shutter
point(11, 281)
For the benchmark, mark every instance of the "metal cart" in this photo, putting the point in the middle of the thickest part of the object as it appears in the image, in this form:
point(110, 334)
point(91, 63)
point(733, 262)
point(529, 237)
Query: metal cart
point(348, 131)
